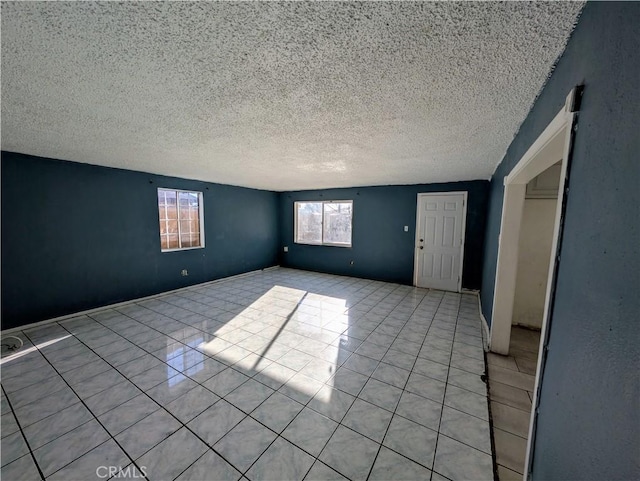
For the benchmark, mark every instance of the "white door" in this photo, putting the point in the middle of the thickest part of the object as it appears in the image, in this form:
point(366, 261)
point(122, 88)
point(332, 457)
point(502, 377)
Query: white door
point(440, 240)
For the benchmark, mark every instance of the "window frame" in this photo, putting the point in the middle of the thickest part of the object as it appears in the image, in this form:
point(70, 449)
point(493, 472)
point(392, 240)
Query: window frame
point(200, 218)
point(322, 242)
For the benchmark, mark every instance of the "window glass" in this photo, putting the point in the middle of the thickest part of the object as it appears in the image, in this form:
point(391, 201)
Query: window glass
point(337, 223)
point(180, 214)
point(309, 223)
point(324, 223)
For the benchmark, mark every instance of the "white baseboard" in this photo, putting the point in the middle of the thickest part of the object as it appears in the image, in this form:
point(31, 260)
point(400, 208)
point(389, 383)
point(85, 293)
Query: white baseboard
point(124, 303)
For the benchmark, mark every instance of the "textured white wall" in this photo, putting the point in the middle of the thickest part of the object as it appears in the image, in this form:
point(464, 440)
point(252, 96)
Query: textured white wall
point(533, 261)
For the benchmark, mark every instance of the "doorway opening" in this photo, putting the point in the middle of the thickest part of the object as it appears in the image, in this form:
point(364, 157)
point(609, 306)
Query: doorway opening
point(512, 378)
point(530, 237)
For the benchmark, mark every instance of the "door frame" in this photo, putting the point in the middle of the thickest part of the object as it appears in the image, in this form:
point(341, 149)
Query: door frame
point(464, 194)
point(554, 143)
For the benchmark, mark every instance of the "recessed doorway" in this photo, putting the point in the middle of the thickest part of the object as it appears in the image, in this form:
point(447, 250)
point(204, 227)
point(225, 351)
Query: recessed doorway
point(548, 157)
point(512, 377)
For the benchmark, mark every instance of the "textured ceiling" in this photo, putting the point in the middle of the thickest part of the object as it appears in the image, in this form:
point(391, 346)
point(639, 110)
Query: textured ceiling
point(279, 96)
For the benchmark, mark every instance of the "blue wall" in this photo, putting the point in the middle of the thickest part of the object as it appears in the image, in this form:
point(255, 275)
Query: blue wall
point(589, 423)
point(381, 249)
point(78, 236)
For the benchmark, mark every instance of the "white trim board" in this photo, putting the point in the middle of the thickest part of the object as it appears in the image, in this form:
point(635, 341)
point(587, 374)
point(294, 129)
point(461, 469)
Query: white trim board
point(124, 303)
point(542, 154)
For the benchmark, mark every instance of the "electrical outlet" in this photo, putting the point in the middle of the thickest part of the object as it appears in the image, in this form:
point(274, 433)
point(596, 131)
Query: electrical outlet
point(406, 228)
point(184, 272)
point(286, 248)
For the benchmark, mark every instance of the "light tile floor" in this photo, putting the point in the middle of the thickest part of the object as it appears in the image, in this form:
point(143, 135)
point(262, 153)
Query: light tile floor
point(511, 382)
point(276, 375)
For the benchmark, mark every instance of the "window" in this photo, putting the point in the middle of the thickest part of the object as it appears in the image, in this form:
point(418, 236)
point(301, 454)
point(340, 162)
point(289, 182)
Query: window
point(181, 225)
point(324, 223)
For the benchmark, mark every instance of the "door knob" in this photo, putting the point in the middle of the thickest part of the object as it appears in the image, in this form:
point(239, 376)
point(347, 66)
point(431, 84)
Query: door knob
point(421, 247)
point(421, 240)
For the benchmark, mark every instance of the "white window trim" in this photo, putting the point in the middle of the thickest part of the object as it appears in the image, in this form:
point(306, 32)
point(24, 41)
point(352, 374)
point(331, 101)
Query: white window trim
point(200, 214)
point(322, 243)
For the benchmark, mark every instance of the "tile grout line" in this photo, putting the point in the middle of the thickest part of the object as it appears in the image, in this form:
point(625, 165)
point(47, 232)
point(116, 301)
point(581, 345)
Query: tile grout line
point(437, 431)
point(125, 376)
point(325, 384)
point(160, 298)
point(161, 407)
point(96, 310)
point(338, 423)
point(435, 450)
point(144, 392)
point(369, 378)
point(95, 417)
point(119, 334)
point(472, 415)
point(35, 462)
point(405, 383)
point(197, 382)
point(234, 366)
